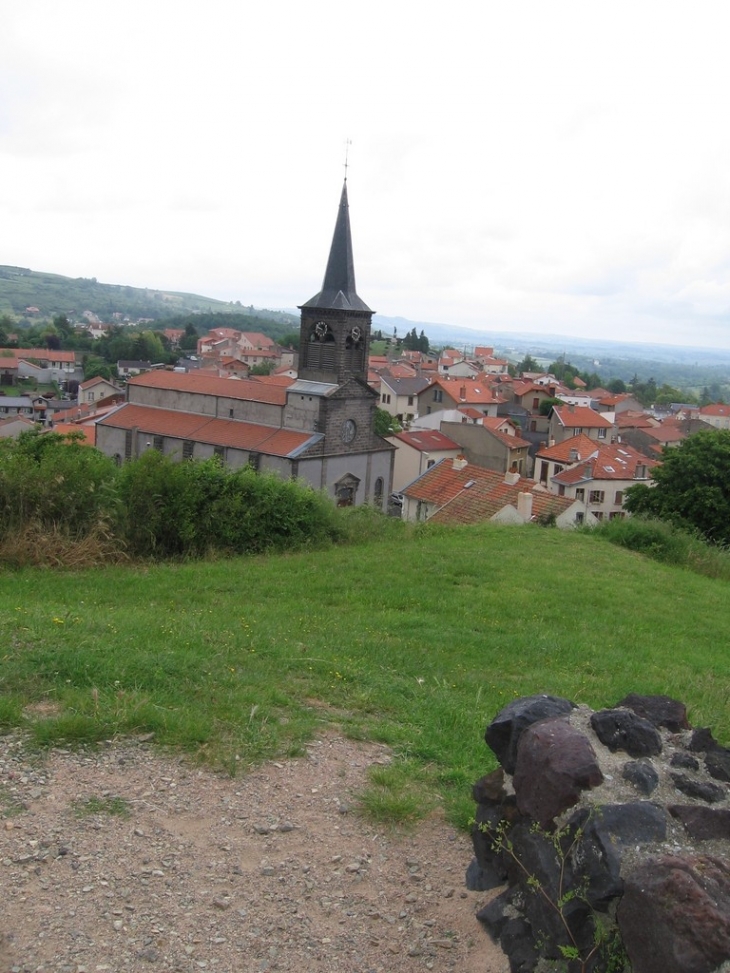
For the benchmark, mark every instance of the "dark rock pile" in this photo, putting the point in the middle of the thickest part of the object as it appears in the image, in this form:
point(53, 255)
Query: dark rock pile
point(611, 833)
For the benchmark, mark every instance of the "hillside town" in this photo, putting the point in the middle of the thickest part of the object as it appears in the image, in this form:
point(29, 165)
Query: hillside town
point(450, 436)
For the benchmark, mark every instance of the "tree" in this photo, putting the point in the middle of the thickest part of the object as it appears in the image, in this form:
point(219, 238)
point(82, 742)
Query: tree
point(263, 368)
point(528, 364)
point(289, 340)
point(95, 366)
point(692, 486)
point(385, 424)
point(546, 406)
point(617, 386)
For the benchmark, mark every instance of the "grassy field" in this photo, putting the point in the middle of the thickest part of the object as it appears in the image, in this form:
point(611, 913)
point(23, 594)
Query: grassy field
point(417, 640)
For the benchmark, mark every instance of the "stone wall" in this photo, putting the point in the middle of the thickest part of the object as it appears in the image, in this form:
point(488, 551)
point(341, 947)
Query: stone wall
point(610, 831)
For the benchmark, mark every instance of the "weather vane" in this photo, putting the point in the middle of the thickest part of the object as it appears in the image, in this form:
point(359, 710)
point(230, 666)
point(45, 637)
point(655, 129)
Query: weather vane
point(348, 143)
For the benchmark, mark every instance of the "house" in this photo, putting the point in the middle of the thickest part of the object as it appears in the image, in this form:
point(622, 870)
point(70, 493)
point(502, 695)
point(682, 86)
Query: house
point(599, 481)
point(454, 393)
point(126, 369)
point(399, 395)
point(43, 365)
point(616, 403)
point(491, 442)
point(249, 347)
point(529, 396)
point(717, 414)
point(174, 336)
point(418, 450)
point(21, 405)
point(570, 420)
point(453, 364)
point(487, 362)
point(319, 428)
point(653, 439)
point(457, 492)
point(553, 458)
point(97, 389)
point(12, 426)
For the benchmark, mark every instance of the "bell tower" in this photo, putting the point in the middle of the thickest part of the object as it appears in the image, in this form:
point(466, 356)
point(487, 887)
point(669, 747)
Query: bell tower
point(334, 334)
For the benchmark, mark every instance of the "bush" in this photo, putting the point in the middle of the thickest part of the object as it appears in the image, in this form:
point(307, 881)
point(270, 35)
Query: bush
point(173, 509)
point(692, 486)
point(64, 503)
point(52, 482)
point(662, 541)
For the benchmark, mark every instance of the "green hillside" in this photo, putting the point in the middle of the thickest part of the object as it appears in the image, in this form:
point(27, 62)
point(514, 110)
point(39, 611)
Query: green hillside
point(52, 294)
point(416, 639)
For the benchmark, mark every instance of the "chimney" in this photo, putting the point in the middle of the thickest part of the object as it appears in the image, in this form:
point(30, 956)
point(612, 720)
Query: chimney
point(524, 505)
point(459, 462)
point(574, 457)
point(511, 477)
point(571, 407)
point(462, 392)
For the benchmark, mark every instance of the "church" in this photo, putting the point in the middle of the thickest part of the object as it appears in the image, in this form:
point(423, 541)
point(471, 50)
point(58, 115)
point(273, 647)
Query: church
point(320, 428)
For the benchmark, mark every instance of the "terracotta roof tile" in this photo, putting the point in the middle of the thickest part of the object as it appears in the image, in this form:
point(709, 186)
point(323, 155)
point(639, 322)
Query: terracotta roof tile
point(562, 452)
point(473, 494)
point(216, 432)
point(229, 388)
point(581, 415)
point(618, 461)
point(426, 440)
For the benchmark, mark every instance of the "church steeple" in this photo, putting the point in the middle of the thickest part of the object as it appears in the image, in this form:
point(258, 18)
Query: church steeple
point(338, 288)
point(334, 335)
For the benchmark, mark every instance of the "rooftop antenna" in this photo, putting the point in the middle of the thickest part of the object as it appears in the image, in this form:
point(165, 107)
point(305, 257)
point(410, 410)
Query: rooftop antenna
point(348, 143)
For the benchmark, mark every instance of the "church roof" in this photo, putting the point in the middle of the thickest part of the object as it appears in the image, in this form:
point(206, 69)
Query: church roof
point(338, 288)
point(152, 421)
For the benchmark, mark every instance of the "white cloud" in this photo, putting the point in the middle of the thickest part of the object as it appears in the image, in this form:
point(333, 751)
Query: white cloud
point(537, 166)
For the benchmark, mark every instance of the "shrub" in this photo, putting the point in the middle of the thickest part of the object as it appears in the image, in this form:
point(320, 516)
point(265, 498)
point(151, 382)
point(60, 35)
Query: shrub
point(664, 542)
point(172, 509)
point(53, 482)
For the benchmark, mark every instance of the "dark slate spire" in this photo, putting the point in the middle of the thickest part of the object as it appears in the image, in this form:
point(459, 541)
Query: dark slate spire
point(338, 288)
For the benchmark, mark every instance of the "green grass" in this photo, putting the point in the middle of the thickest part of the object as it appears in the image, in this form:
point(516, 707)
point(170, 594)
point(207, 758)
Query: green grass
point(114, 806)
point(414, 639)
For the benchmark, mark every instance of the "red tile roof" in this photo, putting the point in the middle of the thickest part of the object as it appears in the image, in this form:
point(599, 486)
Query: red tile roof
point(634, 420)
point(216, 432)
point(9, 355)
point(88, 432)
point(618, 461)
point(98, 380)
point(715, 409)
point(229, 388)
point(580, 416)
point(668, 433)
point(563, 451)
point(426, 440)
point(468, 390)
point(473, 494)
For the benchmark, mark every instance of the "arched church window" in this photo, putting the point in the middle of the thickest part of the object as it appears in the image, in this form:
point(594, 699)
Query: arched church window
point(378, 495)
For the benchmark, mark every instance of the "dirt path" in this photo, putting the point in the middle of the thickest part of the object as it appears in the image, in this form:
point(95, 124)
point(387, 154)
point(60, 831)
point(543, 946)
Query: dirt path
point(269, 872)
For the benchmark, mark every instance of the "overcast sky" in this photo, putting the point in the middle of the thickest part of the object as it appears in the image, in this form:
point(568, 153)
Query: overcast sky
point(536, 166)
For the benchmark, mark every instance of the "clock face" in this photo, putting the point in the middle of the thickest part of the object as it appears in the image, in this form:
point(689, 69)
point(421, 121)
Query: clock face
point(320, 329)
point(348, 430)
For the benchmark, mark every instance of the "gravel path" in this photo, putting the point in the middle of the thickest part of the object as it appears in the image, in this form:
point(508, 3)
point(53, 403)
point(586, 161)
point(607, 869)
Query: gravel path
point(274, 871)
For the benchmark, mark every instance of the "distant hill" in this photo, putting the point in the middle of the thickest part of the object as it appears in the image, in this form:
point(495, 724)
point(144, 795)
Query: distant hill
point(52, 294)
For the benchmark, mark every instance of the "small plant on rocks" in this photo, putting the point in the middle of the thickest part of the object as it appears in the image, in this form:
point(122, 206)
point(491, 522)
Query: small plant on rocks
point(605, 952)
